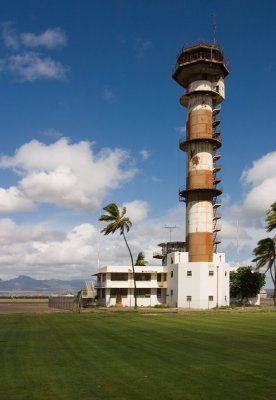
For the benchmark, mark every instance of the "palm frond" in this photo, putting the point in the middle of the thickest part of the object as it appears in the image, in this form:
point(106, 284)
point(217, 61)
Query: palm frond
point(271, 218)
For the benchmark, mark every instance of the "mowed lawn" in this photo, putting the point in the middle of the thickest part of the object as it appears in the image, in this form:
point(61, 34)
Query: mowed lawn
point(134, 356)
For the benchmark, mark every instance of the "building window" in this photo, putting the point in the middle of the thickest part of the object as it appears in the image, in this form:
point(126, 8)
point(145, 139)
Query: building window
point(189, 298)
point(189, 273)
point(171, 292)
point(119, 277)
point(171, 274)
point(225, 273)
point(172, 260)
point(118, 291)
point(211, 298)
point(142, 277)
point(104, 277)
point(103, 293)
point(143, 292)
point(159, 293)
point(211, 273)
point(225, 298)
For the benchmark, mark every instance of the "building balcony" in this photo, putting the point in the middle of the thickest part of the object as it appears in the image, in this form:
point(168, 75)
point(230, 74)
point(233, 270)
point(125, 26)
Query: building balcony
point(217, 240)
point(216, 122)
point(216, 167)
point(158, 254)
point(216, 228)
point(217, 180)
point(183, 191)
point(216, 109)
point(216, 156)
point(216, 216)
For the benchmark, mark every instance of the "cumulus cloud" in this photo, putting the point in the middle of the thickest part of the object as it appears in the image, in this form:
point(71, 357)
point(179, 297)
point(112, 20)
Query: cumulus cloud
point(9, 35)
point(259, 183)
point(137, 210)
point(33, 66)
point(42, 254)
point(50, 38)
point(145, 154)
point(243, 221)
point(27, 65)
point(67, 175)
point(33, 250)
point(14, 200)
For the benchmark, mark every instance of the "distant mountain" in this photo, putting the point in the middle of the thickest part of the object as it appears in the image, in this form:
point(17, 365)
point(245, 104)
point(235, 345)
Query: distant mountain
point(26, 283)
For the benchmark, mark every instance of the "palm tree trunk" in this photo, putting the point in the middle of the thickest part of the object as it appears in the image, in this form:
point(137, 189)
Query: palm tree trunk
point(273, 278)
point(133, 271)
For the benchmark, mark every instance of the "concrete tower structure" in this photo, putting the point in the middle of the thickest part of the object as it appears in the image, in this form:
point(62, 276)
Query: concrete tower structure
point(193, 274)
point(201, 70)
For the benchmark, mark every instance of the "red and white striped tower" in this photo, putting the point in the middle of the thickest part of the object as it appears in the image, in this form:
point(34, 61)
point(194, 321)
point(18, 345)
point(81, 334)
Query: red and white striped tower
point(201, 70)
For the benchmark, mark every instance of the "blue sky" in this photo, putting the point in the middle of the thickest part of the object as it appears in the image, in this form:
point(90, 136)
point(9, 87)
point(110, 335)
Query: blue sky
point(90, 115)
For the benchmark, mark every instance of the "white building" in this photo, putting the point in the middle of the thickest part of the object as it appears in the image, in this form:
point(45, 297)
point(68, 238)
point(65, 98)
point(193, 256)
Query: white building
point(177, 283)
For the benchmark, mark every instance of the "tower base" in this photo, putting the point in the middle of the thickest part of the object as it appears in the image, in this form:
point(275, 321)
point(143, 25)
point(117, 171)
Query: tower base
point(198, 285)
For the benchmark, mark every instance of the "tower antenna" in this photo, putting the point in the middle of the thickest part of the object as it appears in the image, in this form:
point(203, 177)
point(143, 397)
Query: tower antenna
point(171, 228)
point(215, 28)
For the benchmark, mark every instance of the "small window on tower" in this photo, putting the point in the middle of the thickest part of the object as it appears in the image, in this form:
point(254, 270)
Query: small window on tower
point(211, 298)
point(189, 298)
point(189, 273)
point(171, 274)
point(225, 273)
point(211, 273)
point(171, 292)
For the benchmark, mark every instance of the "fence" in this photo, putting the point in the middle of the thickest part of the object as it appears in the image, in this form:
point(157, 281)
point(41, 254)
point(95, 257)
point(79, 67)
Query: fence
point(70, 303)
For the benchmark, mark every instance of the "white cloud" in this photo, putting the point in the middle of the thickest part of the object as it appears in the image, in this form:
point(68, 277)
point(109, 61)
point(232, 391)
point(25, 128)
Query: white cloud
point(27, 65)
point(32, 66)
point(68, 175)
point(34, 251)
point(108, 94)
point(141, 47)
point(53, 133)
point(50, 38)
point(260, 190)
point(9, 35)
point(137, 210)
point(259, 184)
point(145, 154)
point(14, 200)
point(25, 249)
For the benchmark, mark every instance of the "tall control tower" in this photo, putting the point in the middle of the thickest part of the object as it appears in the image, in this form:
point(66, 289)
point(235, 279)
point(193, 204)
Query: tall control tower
point(201, 70)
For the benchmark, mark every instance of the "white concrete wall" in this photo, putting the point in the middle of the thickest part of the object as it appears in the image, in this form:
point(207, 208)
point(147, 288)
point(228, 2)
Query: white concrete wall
point(200, 285)
point(200, 101)
point(200, 216)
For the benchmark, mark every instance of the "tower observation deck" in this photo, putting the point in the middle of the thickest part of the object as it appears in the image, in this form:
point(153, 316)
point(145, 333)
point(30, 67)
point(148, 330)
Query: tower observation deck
point(201, 69)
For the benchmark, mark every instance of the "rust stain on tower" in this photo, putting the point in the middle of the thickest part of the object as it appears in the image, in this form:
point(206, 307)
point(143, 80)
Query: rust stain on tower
point(201, 70)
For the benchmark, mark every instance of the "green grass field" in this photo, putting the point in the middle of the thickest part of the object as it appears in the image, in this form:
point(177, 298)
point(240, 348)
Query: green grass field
point(134, 356)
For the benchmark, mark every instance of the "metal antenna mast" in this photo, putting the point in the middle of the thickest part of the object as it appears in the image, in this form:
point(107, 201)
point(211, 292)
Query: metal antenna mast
point(215, 28)
point(170, 229)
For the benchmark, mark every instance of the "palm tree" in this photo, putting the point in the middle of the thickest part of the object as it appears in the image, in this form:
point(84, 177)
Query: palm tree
point(140, 260)
point(271, 218)
point(265, 253)
point(117, 221)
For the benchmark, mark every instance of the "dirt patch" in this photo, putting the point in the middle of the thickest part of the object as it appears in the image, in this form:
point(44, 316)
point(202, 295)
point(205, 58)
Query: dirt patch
point(18, 307)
